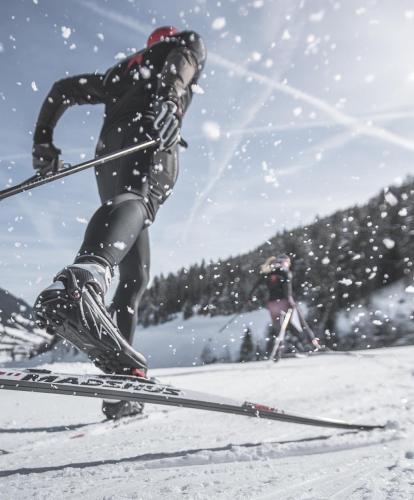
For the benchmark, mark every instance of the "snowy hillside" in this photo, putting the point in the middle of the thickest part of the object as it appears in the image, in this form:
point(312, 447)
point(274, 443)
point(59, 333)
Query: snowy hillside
point(64, 452)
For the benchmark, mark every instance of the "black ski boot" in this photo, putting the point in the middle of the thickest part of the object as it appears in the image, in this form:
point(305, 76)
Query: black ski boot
point(73, 307)
point(114, 410)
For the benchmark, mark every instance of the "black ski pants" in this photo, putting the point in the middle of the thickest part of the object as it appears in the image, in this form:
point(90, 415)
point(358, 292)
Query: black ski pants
point(131, 190)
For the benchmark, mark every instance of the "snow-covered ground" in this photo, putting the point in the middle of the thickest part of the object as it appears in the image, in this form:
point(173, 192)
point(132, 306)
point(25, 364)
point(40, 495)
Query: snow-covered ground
point(55, 446)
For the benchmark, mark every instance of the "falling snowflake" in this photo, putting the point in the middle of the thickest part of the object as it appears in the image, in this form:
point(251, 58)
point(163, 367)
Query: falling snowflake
point(286, 35)
point(120, 245)
point(317, 16)
point(218, 23)
point(270, 176)
point(197, 89)
point(391, 199)
point(388, 243)
point(211, 130)
point(66, 32)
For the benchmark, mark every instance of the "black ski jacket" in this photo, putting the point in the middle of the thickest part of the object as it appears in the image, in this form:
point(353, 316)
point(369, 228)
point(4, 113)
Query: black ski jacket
point(278, 283)
point(167, 70)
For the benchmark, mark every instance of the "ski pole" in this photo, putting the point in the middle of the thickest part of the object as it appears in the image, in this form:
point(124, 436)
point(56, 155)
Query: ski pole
point(38, 180)
point(281, 336)
point(303, 321)
point(305, 326)
point(229, 321)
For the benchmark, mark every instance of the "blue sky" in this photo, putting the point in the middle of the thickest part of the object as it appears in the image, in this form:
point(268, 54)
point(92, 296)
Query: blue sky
point(304, 108)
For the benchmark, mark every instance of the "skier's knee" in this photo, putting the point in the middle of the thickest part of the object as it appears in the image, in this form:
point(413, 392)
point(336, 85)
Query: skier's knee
point(140, 202)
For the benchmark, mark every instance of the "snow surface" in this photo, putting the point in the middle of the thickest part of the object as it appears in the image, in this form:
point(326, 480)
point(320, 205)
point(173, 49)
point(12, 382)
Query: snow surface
point(55, 446)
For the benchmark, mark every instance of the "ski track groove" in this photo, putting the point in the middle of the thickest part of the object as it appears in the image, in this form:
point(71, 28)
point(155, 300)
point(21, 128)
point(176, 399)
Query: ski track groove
point(326, 487)
point(205, 456)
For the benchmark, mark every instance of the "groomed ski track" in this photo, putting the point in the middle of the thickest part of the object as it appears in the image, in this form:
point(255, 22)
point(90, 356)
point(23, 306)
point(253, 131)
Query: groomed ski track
point(57, 446)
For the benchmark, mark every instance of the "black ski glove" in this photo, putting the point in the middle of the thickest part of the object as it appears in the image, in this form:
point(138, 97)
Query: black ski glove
point(167, 124)
point(45, 158)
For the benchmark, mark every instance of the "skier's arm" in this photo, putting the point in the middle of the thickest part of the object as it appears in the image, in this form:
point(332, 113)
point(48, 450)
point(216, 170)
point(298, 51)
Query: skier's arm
point(80, 89)
point(181, 68)
point(182, 65)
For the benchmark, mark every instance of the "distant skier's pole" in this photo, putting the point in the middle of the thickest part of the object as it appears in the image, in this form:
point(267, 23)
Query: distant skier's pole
point(38, 180)
point(279, 339)
point(229, 321)
point(304, 323)
point(302, 319)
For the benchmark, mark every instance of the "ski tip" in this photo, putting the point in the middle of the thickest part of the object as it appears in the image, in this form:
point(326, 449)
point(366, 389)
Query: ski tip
point(372, 427)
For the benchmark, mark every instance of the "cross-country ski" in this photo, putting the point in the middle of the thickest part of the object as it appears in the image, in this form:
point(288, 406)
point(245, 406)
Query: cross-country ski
point(147, 391)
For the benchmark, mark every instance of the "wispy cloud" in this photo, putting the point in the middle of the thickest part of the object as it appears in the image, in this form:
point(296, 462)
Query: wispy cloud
point(358, 127)
point(116, 17)
point(222, 163)
point(311, 156)
point(385, 116)
point(250, 113)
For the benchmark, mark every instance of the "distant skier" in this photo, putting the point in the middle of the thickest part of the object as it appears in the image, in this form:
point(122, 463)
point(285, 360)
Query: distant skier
point(277, 275)
point(146, 94)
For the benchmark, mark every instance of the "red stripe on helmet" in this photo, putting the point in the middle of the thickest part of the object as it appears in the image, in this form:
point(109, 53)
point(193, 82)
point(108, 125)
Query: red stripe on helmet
point(160, 34)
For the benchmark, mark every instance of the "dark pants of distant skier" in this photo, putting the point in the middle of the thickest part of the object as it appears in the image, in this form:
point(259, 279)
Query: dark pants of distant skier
point(131, 190)
point(277, 309)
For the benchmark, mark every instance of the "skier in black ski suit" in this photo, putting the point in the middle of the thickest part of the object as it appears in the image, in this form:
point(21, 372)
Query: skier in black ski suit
point(146, 94)
point(277, 275)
